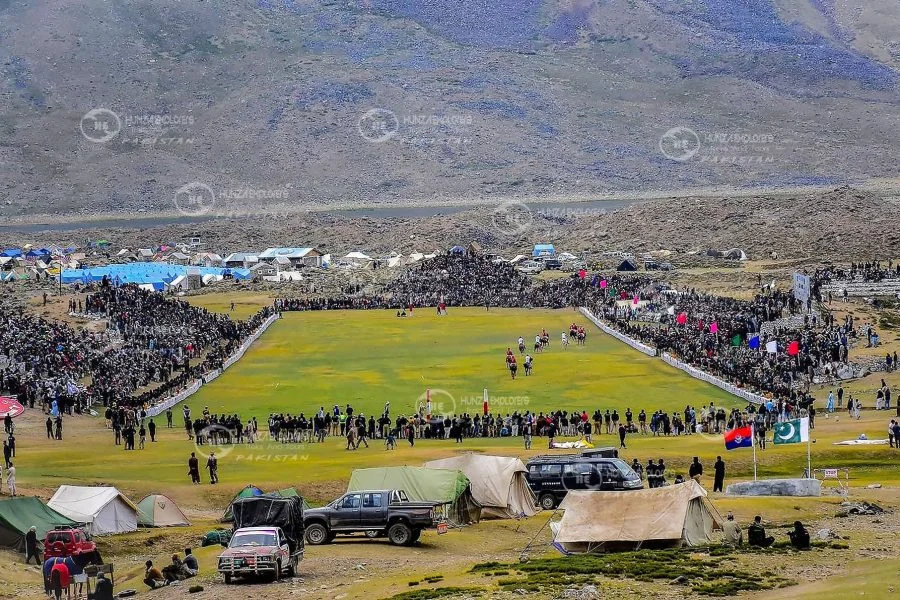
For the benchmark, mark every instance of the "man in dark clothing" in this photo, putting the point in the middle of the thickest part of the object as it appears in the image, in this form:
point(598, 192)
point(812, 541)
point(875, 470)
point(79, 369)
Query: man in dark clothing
point(169, 418)
point(190, 562)
point(799, 536)
point(719, 480)
point(194, 469)
point(151, 427)
point(695, 470)
point(49, 428)
point(756, 534)
point(212, 463)
point(31, 546)
point(7, 453)
point(622, 432)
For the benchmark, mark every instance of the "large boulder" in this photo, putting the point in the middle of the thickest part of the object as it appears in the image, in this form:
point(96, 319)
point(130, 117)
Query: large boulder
point(776, 487)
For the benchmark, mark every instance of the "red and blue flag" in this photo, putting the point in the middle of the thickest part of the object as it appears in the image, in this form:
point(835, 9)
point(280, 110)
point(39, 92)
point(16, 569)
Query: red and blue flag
point(741, 437)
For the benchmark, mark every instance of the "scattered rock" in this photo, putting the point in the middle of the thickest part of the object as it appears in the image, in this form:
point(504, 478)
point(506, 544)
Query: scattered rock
point(873, 486)
point(680, 580)
point(827, 534)
point(861, 508)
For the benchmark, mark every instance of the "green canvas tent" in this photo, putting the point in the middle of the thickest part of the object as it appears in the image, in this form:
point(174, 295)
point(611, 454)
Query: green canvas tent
point(447, 486)
point(249, 491)
point(19, 514)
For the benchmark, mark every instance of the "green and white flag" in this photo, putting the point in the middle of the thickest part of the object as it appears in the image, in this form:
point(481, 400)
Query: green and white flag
point(792, 432)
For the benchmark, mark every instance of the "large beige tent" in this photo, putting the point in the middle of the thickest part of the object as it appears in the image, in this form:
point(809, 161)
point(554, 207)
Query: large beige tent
point(498, 484)
point(674, 515)
point(103, 510)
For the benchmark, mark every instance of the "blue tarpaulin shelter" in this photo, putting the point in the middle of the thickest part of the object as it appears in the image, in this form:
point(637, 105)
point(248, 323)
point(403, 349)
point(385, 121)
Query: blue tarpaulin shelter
point(11, 253)
point(156, 274)
point(543, 250)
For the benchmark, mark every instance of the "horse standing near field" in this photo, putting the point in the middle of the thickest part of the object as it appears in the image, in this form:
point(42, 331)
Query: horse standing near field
point(538, 346)
point(511, 363)
point(521, 345)
point(581, 336)
point(528, 365)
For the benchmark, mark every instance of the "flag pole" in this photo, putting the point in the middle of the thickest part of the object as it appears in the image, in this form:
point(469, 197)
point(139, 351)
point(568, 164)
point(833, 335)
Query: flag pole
point(753, 438)
point(808, 455)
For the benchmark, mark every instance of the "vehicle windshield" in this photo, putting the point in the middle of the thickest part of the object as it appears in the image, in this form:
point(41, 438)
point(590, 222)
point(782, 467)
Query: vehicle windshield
point(257, 538)
point(625, 469)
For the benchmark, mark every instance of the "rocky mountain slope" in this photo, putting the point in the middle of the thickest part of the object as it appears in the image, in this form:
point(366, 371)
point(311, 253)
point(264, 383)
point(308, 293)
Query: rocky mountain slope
point(110, 107)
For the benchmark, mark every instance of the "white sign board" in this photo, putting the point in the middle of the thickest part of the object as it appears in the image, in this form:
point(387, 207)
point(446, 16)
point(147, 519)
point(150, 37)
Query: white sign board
point(801, 287)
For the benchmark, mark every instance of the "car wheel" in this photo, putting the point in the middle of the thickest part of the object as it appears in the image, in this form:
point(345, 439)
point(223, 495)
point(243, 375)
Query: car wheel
point(227, 578)
point(317, 534)
point(278, 570)
point(548, 502)
point(400, 534)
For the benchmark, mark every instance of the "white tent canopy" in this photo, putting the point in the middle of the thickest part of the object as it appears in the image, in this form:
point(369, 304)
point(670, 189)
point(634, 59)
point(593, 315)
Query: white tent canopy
point(498, 484)
point(358, 256)
point(104, 510)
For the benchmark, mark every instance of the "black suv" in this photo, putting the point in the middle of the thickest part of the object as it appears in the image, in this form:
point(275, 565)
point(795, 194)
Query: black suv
point(551, 477)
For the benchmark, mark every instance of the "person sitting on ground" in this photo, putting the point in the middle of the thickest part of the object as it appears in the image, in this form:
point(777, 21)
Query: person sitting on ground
point(190, 562)
point(733, 535)
point(153, 577)
point(756, 534)
point(799, 536)
point(679, 478)
point(104, 589)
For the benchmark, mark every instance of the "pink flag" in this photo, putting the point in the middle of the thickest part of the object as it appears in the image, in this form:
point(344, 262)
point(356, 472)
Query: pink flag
point(681, 319)
point(713, 327)
point(635, 300)
point(603, 284)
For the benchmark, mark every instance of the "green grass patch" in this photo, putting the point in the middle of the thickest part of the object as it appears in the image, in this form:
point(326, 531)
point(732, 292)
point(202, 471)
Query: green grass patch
point(705, 576)
point(442, 592)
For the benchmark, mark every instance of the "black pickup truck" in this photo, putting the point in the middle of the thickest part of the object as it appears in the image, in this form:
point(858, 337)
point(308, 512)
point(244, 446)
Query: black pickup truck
point(373, 512)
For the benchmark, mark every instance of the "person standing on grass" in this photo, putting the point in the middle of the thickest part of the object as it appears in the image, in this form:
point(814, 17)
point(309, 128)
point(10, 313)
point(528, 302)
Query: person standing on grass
point(212, 463)
point(31, 546)
point(411, 436)
point(622, 433)
point(194, 469)
point(151, 428)
point(719, 479)
point(169, 418)
point(526, 434)
point(142, 432)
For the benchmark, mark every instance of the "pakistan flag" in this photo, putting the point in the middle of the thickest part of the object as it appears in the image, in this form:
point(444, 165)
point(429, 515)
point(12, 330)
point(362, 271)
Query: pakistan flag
point(792, 432)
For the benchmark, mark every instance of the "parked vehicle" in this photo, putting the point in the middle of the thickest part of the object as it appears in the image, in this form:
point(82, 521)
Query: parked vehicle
point(268, 538)
point(531, 267)
point(553, 263)
point(70, 541)
point(552, 477)
point(374, 512)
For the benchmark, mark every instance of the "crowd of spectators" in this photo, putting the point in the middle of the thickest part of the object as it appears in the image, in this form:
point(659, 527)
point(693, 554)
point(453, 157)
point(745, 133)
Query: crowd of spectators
point(154, 346)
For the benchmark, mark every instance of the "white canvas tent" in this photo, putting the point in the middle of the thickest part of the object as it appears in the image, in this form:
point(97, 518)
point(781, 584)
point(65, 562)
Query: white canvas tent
point(103, 510)
point(674, 515)
point(498, 484)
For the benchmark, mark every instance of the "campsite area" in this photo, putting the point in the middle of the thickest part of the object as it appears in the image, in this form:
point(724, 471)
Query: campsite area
point(459, 352)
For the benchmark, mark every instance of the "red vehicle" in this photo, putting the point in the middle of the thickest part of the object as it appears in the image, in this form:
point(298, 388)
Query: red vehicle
point(70, 541)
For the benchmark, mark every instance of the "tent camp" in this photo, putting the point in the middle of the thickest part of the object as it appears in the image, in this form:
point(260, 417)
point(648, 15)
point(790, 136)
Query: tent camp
point(498, 484)
point(157, 510)
point(449, 487)
point(19, 514)
point(248, 492)
point(103, 510)
point(670, 516)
